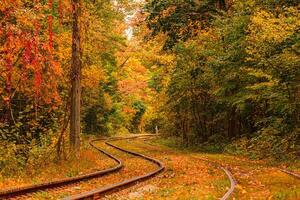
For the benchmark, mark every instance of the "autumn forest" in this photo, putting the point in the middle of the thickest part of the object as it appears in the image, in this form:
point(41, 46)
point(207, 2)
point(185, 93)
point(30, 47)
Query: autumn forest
point(150, 99)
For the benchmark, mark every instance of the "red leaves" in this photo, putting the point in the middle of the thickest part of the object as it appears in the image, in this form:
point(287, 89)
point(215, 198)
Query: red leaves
point(27, 53)
point(27, 56)
point(31, 58)
point(37, 81)
point(50, 2)
point(36, 64)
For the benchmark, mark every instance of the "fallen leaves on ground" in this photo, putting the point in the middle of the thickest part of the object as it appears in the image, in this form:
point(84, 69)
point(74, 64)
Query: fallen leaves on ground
point(184, 177)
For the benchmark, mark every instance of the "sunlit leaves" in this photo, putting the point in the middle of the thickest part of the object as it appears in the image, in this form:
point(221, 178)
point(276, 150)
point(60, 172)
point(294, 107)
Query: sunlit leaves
point(267, 30)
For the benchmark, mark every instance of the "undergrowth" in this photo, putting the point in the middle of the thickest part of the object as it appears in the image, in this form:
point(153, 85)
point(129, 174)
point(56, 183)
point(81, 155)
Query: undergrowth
point(266, 144)
point(42, 164)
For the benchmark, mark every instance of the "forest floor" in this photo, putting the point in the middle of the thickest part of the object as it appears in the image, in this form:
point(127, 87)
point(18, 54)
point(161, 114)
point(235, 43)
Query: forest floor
point(49, 170)
point(187, 175)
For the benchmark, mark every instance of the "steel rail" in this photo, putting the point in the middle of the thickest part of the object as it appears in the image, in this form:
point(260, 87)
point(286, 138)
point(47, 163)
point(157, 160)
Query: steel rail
point(17, 191)
point(118, 185)
point(103, 190)
point(294, 174)
point(233, 182)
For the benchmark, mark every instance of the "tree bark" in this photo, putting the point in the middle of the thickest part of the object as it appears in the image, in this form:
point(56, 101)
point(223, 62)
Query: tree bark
point(75, 79)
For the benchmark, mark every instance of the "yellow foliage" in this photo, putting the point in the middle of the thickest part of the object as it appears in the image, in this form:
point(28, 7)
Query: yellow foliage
point(270, 81)
point(92, 76)
point(266, 28)
point(108, 101)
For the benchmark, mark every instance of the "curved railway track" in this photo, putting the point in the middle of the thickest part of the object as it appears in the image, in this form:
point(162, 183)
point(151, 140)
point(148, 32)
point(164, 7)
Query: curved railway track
point(22, 191)
point(233, 182)
point(19, 191)
point(231, 178)
point(294, 174)
point(103, 190)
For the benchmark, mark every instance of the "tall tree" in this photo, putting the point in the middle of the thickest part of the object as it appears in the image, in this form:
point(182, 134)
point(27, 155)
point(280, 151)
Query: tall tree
point(75, 79)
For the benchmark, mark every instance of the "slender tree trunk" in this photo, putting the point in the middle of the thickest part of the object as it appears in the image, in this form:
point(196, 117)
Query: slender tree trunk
point(75, 79)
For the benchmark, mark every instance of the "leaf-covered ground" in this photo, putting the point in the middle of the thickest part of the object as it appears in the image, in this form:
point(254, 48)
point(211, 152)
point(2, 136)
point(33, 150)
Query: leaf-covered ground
point(256, 179)
point(184, 177)
point(90, 161)
point(187, 176)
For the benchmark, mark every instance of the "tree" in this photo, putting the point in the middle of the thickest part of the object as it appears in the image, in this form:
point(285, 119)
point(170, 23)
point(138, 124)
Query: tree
point(75, 79)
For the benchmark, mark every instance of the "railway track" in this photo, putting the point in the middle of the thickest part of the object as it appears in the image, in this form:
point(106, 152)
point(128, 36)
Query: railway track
point(231, 178)
point(19, 191)
point(233, 182)
point(23, 192)
point(98, 192)
point(103, 190)
point(294, 174)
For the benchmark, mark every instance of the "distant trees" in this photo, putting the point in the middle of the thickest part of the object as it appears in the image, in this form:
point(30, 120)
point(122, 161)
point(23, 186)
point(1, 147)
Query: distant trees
point(181, 20)
point(236, 72)
point(140, 109)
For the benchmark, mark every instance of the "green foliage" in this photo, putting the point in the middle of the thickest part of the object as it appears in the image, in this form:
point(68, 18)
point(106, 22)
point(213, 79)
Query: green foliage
point(140, 109)
point(14, 157)
point(9, 162)
point(26, 136)
point(268, 142)
point(180, 19)
point(236, 78)
point(31, 123)
point(102, 106)
point(154, 124)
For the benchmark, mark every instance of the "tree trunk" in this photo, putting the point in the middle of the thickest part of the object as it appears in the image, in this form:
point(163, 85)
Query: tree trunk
point(75, 79)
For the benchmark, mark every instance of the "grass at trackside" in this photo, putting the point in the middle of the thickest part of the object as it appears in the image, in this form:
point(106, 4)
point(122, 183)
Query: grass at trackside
point(175, 144)
point(257, 179)
point(89, 160)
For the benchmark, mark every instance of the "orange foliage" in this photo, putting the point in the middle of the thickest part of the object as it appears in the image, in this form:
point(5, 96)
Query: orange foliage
point(29, 62)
